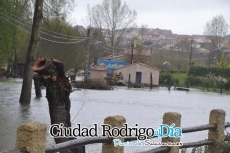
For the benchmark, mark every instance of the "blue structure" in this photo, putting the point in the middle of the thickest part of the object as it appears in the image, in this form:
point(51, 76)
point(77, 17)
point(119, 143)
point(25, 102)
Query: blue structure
point(111, 65)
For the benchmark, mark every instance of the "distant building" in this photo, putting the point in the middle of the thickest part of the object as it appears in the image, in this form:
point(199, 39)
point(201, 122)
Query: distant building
point(139, 74)
point(98, 72)
point(111, 64)
point(81, 30)
point(166, 65)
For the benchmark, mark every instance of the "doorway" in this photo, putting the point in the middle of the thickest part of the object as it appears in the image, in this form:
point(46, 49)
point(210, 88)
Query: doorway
point(138, 78)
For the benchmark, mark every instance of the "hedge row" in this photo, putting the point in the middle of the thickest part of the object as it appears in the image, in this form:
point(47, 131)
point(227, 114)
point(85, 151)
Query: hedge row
point(166, 79)
point(206, 82)
point(203, 71)
point(201, 81)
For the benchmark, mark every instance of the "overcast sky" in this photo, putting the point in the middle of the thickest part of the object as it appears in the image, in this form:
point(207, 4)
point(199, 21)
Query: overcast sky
point(180, 16)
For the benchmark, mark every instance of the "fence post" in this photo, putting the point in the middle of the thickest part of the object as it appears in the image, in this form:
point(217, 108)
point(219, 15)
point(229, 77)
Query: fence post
point(169, 118)
point(113, 121)
point(217, 116)
point(32, 136)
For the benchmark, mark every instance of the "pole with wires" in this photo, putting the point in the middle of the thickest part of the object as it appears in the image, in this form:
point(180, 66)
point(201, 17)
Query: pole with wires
point(132, 45)
point(87, 55)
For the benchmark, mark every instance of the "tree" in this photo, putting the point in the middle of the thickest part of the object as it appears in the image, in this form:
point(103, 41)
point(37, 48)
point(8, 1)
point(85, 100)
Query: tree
point(25, 96)
point(112, 18)
point(56, 11)
point(223, 61)
point(58, 89)
point(11, 36)
point(216, 30)
point(55, 30)
point(67, 52)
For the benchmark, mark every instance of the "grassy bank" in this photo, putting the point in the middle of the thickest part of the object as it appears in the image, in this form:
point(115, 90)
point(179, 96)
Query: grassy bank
point(180, 77)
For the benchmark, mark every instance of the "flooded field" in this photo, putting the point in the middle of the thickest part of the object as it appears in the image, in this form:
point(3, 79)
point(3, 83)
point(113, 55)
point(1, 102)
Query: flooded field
point(143, 106)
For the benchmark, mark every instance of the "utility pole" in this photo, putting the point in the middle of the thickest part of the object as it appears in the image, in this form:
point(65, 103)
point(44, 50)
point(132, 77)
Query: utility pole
point(150, 58)
point(132, 45)
point(112, 43)
point(30, 57)
point(190, 55)
point(87, 55)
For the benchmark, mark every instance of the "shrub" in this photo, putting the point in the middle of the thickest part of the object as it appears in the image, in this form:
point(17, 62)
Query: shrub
point(93, 84)
point(204, 82)
point(193, 81)
point(204, 71)
point(165, 79)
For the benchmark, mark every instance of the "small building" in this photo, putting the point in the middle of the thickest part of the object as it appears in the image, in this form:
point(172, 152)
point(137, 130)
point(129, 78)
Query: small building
point(98, 72)
point(139, 74)
point(111, 65)
point(166, 65)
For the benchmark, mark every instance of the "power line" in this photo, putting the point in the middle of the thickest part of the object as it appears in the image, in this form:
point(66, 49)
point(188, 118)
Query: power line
point(63, 34)
point(108, 47)
point(29, 26)
point(93, 43)
point(104, 49)
point(63, 37)
point(63, 42)
point(16, 25)
point(50, 8)
point(42, 37)
point(76, 38)
point(102, 46)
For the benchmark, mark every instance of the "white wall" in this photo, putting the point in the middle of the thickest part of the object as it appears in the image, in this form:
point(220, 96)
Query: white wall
point(98, 75)
point(145, 78)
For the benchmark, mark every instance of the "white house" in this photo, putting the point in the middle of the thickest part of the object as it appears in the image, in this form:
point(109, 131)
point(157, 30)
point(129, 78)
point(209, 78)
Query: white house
point(139, 74)
point(98, 72)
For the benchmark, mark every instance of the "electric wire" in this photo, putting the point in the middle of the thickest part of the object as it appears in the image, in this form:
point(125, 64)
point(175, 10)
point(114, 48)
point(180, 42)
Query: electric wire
point(78, 111)
point(79, 38)
point(65, 36)
point(106, 49)
point(59, 42)
point(103, 49)
point(15, 25)
point(110, 48)
point(63, 42)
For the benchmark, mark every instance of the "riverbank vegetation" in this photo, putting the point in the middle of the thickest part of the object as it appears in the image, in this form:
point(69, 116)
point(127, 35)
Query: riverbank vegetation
point(221, 147)
point(215, 78)
point(92, 84)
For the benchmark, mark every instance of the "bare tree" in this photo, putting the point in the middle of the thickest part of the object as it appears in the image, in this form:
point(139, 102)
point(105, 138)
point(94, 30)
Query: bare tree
point(34, 39)
point(112, 18)
point(57, 10)
point(216, 30)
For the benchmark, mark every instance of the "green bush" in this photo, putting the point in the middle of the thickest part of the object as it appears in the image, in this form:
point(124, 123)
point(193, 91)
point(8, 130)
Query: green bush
point(165, 79)
point(193, 81)
point(204, 71)
point(201, 82)
point(173, 71)
point(92, 84)
point(175, 81)
point(179, 79)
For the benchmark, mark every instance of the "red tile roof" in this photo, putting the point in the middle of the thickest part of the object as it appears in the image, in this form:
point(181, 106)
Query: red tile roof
point(98, 68)
point(139, 64)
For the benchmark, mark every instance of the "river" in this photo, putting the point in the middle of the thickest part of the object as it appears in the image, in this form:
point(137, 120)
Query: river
point(143, 106)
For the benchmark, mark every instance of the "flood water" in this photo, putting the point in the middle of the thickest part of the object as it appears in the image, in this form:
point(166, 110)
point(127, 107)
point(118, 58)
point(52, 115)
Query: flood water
point(143, 106)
